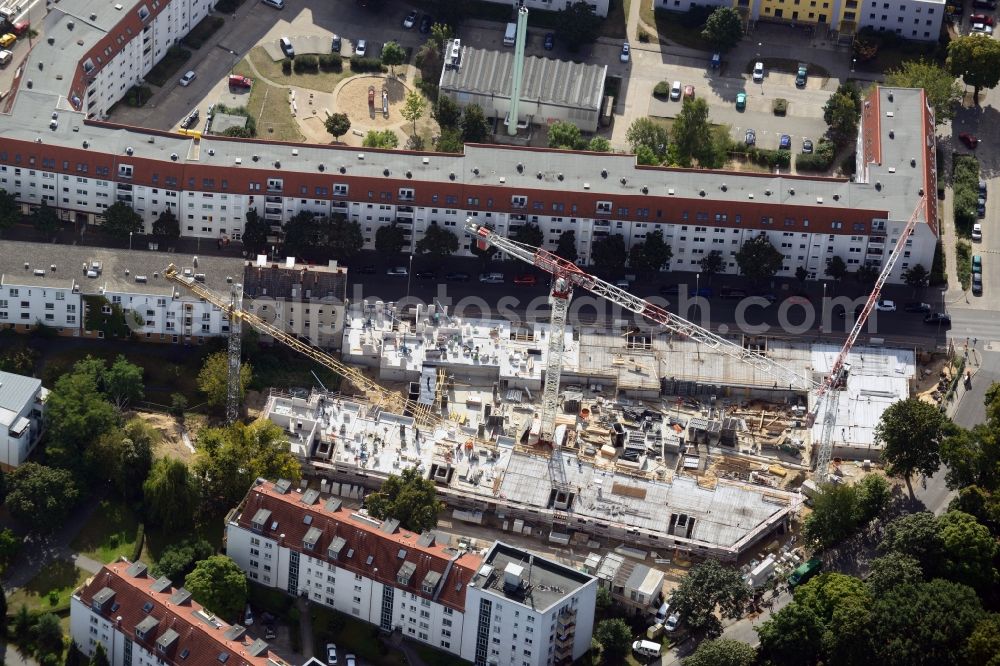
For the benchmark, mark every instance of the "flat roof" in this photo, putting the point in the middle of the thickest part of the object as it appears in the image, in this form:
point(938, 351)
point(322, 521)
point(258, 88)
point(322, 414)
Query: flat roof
point(545, 582)
point(545, 80)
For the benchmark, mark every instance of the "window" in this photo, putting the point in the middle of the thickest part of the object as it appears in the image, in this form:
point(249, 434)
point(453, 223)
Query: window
point(604, 207)
point(340, 190)
point(519, 201)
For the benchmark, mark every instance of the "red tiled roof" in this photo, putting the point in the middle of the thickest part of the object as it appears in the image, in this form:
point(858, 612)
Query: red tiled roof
point(204, 642)
point(364, 537)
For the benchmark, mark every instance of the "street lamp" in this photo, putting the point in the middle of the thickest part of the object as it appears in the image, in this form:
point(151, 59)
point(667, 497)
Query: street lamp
point(409, 275)
point(759, 44)
point(854, 61)
point(130, 240)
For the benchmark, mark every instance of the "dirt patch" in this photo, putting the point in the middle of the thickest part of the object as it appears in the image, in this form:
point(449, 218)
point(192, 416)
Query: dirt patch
point(255, 402)
point(171, 440)
point(353, 99)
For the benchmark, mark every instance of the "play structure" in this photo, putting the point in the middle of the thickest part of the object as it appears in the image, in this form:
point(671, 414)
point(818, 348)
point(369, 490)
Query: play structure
point(385, 102)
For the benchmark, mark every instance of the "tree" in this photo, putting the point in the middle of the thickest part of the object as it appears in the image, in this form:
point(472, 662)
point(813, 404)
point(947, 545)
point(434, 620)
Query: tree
point(608, 253)
point(792, 636)
point(41, 497)
point(178, 559)
point(841, 116)
point(170, 495)
point(218, 584)
point(866, 275)
point(926, 623)
point(835, 268)
point(644, 133)
point(413, 107)
point(449, 141)
point(722, 652)
point(73, 655)
point(100, 657)
point(982, 504)
point(123, 457)
point(390, 239)
point(711, 264)
point(651, 254)
point(380, 139)
point(911, 432)
point(122, 383)
point(916, 277)
point(437, 242)
point(10, 544)
point(392, 56)
point(723, 29)
point(167, 225)
point(758, 259)
point(691, 133)
point(915, 535)
point(475, 127)
point(843, 605)
point(337, 124)
point(446, 112)
point(604, 600)
point(891, 570)
point(442, 31)
point(48, 636)
point(255, 233)
point(230, 459)
point(943, 92)
point(976, 60)
point(708, 586)
point(530, 234)
point(835, 515)
point(429, 61)
point(213, 379)
point(566, 247)
point(968, 550)
point(614, 636)
point(983, 646)
point(577, 25)
point(10, 210)
point(599, 145)
point(344, 237)
point(801, 274)
point(565, 135)
point(45, 219)
point(120, 220)
point(874, 494)
point(76, 414)
point(409, 498)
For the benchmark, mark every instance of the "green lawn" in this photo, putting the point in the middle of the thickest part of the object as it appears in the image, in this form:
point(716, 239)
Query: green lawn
point(352, 635)
point(109, 534)
point(269, 106)
point(211, 530)
point(271, 70)
point(431, 656)
point(669, 27)
point(55, 582)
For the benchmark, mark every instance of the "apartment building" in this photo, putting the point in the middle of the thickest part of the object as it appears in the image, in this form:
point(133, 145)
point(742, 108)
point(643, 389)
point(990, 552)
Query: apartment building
point(22, 404)
point(300, 542)
point(64, 155)
point(634, 585)
point(145, 621)
point(919, 20)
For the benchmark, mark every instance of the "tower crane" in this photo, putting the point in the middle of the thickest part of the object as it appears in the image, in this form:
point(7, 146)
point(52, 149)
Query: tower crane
point(567, 275)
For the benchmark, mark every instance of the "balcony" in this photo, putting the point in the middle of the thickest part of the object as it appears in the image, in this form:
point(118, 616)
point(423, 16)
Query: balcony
point(276, 200)
point(404, 209)
point(404, 220)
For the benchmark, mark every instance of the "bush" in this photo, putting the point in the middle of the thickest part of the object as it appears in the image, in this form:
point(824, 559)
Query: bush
point(965, 181)
point(820, 160)
point(938, 275)
point(286, 67)
point(780, 106)
point(227, 6)
point(963, 263)
point(331, 62)
point(770, 158)
point(199, 34)
point(662, 89)
point(367, 65)
point(140, 536)
point(849, 164)
point(168, 65)
point(305, 64)
point(643, 36)
point(138, 95)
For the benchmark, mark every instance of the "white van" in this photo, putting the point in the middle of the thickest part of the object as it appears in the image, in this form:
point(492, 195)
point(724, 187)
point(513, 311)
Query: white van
point(646, 648)
point(6, 56)
point(510, 36)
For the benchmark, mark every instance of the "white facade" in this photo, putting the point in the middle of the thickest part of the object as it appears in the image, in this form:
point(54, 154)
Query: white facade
point(164, 316)
point(58, 306)
point(911, 19)
point(683, 6)
point(600, 7)
point(22, 405)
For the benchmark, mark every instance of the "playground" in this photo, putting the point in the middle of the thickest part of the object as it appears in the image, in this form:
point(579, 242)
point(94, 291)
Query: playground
point(372, 102)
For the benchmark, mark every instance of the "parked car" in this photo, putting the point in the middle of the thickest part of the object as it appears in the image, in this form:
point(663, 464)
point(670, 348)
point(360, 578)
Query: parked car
point(427, 275)
point(526, 280)
point(491, 278)
point(286, 47)
point(758, 72)
point(270, 632)
point(970, 140)
point(785, 142)
point(977, 232)
point(623, 284)
point(456, 277)
point(188, 77)
point(703, 292)
point(977, 263)
point(675, 91)
point(801, 76)
point(741, 101)
point(410, 20)
point(885, 305)
point(191, 120)
point(670, 290)
point(977, 284)
point(20, 28)
point(750, 138)
point(361, 48)
point(248, 616)
point(672, 622)
point(277, 4)
point(917, 307)
point(237, 81)
point(984, 4)
point(981, 207)
point(938, 318)
point(5, 57)
point(732, 292)
point(982, 188)
point(807, 146)
point(982, 28)
point(985, 19)
point(331, 654)
point(398, 270)
point(337, 44)
point(7, 39)
point(689, 92)
point(350, 660)
point(426, 21)
point(626, 52)
point(549, 42)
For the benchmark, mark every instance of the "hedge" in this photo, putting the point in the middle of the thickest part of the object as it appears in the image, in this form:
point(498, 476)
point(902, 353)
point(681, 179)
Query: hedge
point(963, 263)
point(367, 65)
point(140, 536)
point(199, 34)
point(965, 181)
point(662, 89)
point(286, 67)
point(820, 160)
point(305, 64)
point(331, 62)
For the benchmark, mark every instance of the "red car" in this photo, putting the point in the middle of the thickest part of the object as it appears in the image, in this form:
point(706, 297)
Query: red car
point(237, 81)
point(985, 19)
point(526, 280)
point(970, 140)
point(20, 28)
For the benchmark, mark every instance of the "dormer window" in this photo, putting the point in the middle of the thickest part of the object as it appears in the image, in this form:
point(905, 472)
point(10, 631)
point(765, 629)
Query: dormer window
point(405, 573)
point(260, 519)
point(146, 627)
point(311, 537)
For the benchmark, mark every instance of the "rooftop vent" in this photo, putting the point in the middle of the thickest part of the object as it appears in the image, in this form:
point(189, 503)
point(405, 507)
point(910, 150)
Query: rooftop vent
point(385, 172)
point(622, 180)
point(321, 167)
point(892, 134)
point(173, 156)
point(819, 200)
point(256, 158)
point(295, 151)
point(520, 168)
point(361, 156)
point(475, 170)
point(560, 176)
point(749, 195)
point(645, 190)
point(70, 25)
point(211, 151)
point(451, 176)
point(426, 160)
point(604, 173)
point(920, 191)
point(93, 17)
point(890, 95)
point(791, 191)
point(586, 186)
point(277, 164)
point(238, 161)
point(343, 169)
point(409, 174)
point(39, 272)
point(878, 185)
point(52, 268)
point(538, 175)
point(129, 150)
point(670, 191)
point(913, 161)
point(767, 193)
point(836, 197)
point(701, 193)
